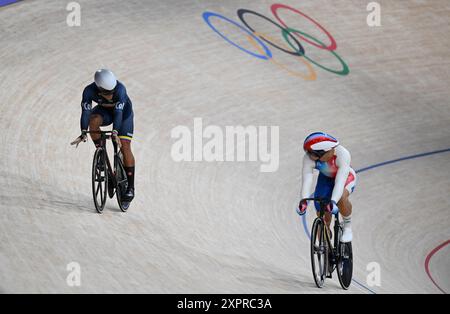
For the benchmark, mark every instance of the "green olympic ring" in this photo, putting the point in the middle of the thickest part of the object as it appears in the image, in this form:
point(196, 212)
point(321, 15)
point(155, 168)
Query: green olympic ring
point(345, 71)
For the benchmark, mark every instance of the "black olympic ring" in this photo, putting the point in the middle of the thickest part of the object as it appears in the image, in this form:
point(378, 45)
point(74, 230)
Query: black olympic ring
point(301, 50)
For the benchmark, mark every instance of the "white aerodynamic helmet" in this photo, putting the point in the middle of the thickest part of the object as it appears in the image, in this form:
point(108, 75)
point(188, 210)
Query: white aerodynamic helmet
point(319, 143)
point(105, 79)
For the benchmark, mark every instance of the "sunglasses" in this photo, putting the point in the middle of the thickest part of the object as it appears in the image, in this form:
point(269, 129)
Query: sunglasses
point(105, 92)
point(317, 154)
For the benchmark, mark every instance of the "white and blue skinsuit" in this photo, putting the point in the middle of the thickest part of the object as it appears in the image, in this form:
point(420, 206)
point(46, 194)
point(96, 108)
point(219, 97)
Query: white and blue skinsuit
point(335, 175)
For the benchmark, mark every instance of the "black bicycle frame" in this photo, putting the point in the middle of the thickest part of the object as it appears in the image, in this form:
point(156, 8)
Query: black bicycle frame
point(323, 202)
point(106, 135)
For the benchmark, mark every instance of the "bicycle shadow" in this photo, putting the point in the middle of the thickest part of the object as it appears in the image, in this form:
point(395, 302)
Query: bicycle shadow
point(31, 193)
point(279, 279)
point(267, 276)
point(112, 206)
point(270, 277)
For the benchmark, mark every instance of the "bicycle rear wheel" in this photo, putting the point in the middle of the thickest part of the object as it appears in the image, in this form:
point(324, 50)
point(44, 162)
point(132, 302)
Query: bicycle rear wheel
point(344, 263)
point(122, 184)
point(319, 256)
point(99, 180)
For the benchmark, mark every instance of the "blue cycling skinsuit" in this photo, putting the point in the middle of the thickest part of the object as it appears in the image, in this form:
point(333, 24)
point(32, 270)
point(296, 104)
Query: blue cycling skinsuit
point(118, 111)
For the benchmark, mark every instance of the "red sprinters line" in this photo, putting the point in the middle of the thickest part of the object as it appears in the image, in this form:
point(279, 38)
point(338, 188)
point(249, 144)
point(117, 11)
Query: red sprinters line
point(427, 263)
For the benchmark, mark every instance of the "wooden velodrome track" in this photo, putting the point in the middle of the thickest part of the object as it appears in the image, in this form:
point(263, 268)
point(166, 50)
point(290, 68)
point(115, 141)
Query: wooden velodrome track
point(222, 227)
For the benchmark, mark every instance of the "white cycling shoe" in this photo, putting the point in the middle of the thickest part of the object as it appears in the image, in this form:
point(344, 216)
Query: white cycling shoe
point(347, 236)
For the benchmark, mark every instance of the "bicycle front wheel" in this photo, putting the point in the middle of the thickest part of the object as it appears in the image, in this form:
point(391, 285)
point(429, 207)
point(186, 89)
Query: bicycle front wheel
point(319, 256)
point(99, 180)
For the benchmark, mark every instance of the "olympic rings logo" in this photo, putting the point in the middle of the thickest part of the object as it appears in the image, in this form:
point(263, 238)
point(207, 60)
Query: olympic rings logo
point(292, 44)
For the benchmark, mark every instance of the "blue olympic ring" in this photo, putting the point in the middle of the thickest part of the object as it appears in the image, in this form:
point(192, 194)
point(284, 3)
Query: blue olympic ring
point(268, 53)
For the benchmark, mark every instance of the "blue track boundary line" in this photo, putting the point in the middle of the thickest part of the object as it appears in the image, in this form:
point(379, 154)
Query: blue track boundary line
point(403, 159)
point(389, 162)
point(4, 3)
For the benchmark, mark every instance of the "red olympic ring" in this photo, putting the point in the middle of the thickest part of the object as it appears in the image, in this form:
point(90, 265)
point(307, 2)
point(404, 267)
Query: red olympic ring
point(277, 6)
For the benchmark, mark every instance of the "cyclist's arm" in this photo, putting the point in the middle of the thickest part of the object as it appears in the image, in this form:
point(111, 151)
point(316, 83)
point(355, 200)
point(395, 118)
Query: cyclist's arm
point(118, 110)
point(307, 176)
point(343, 160)
point(86, 109)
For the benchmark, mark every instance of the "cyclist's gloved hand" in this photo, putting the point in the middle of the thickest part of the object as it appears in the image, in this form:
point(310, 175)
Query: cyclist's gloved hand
point(116, 139)
point(79, 139)
point(332, 208)
point(301, 210)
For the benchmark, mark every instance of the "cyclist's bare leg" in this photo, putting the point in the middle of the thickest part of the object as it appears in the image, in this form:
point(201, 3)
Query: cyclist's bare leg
point(128, 157)
point(327, 217)
point(94, 125)
point(129, 162)
point(345, 207)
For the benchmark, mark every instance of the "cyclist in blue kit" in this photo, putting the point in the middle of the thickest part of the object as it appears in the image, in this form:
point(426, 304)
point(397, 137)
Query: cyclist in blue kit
point(113, 107)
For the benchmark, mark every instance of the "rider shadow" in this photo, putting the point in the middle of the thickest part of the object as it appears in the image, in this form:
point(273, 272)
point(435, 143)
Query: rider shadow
point(21, 191)
point(112, 208)
point(270, 277)
point(290, 283)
